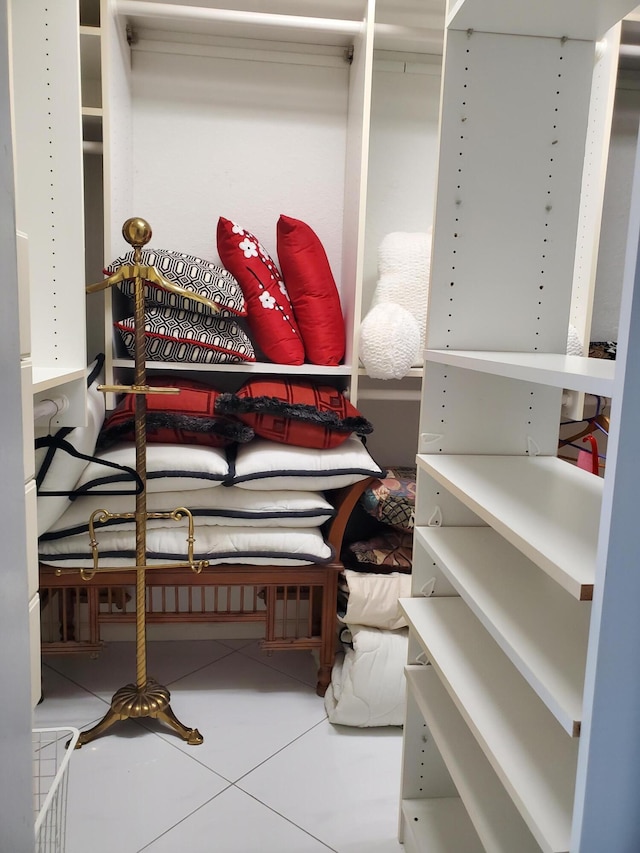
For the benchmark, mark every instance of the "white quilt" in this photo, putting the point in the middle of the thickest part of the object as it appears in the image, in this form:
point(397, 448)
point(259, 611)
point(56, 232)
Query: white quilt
point(367, 682)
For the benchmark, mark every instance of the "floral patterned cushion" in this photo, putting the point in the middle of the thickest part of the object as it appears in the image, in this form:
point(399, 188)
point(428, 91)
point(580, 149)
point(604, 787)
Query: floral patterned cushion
point(391, 550)
point(392, 499)
point(269, 310)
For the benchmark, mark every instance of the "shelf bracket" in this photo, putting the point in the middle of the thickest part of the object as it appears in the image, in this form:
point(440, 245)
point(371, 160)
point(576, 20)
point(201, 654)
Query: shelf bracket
point(436, 518)
point(533, 449)
point(428, 588)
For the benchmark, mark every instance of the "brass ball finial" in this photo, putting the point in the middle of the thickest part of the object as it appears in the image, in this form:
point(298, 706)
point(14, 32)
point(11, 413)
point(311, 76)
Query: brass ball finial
point(136, 231)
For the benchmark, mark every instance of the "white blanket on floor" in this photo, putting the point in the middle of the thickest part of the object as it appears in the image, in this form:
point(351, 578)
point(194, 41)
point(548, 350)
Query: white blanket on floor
point(367, 682)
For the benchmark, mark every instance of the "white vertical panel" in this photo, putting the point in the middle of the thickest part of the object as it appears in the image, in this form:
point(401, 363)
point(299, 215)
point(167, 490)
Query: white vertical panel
point(31, 507)
point(593, 182)
point(424, 771)
point(49, 199)
point(28, 453)
point(24, 296)
point(609, 762)
point(508, 191)
point(116, 128)
point(34, 640)
point(491, 414)
point(16, 777)
point(355, 188)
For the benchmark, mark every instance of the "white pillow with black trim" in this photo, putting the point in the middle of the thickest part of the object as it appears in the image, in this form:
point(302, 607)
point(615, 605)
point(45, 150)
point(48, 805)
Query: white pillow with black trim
point(170, 467)
point(209, 506)
point(263, 464)
point(253, 545)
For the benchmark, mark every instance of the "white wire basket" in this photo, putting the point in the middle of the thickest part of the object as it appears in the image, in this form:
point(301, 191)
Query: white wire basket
point(51, 757)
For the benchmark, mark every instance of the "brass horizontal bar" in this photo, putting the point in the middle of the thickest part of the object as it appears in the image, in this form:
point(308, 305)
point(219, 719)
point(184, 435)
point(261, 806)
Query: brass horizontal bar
point(136, 389)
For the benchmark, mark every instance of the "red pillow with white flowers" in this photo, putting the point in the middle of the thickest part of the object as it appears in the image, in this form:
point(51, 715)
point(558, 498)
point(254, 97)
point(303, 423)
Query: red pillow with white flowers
point(269, 312)
point(312, 290)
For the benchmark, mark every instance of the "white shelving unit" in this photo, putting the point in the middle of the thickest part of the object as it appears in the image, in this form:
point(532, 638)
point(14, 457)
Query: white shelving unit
point(526, 690)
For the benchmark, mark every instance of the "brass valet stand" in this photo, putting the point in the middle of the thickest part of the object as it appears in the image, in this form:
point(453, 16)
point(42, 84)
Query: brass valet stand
point(145, 698)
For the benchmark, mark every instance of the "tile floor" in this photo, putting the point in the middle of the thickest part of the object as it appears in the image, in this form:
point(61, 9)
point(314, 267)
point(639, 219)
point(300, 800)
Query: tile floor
point(273, 775)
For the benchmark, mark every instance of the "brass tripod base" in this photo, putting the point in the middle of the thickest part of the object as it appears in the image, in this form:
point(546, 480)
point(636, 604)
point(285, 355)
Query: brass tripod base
point(151, 700)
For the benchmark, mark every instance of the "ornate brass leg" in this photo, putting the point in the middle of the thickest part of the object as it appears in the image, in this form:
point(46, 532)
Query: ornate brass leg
point(131, 702)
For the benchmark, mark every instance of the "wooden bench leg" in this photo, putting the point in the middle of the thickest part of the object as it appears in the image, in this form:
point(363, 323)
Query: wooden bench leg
point(328, 632)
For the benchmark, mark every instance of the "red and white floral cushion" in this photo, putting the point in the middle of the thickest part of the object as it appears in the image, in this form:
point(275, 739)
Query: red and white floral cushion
point(269, 311)
point(312, 290)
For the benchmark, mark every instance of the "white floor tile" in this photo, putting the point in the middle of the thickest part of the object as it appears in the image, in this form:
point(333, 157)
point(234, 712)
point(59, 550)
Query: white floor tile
point(236, 823)
point(298, 664)
point(246, 712)
point(129, 786)
point(340, 784)
point(115, 666)
point(65, 703)
point(307, 786)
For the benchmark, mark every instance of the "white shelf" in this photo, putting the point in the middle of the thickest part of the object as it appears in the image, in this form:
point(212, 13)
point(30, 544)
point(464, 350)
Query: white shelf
point(542, 631)
point(47, 378)
point(591, 375)
point(486, 802)
point(439, 825)
point(548, 509)
point(576, 19)
point(531, 754)
point(245, 367)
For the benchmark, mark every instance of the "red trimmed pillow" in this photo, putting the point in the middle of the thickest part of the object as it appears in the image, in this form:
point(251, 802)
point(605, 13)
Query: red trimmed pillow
point(269, 310)
point(185, 418)
point(295, 412)
point(312, 291)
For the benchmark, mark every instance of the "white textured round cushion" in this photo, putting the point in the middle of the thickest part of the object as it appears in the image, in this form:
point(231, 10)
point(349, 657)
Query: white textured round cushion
point(574, 344)
point(390, 341)
point(404, 267)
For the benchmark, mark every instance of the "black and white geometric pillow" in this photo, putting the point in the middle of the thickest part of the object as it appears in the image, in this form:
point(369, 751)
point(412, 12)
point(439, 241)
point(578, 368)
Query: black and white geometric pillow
point(182, 336)
point(191, 273)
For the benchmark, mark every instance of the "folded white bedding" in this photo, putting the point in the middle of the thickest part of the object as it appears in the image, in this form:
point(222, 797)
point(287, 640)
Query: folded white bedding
point(367, 682)
point(373, 599)
point(256, 545)
point(227, 507)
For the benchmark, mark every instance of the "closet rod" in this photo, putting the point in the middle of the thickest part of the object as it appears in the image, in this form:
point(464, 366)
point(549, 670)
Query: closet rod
point(143, 9)
point(431, 37)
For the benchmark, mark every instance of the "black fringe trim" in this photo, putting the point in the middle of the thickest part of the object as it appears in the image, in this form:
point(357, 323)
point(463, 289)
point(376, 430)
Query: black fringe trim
point(226, 429)
point(231, 404)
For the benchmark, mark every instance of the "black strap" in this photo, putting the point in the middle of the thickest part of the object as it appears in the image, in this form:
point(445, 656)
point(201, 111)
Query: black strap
point(53, 441)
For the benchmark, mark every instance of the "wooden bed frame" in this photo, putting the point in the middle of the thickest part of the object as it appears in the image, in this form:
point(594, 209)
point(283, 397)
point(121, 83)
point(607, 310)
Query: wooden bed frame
point(297, 604)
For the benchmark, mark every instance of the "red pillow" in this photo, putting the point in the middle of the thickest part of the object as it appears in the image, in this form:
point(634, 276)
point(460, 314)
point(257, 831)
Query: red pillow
point(185, 418)
point(312, 291)
point(269, 310)
point(295, 412)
